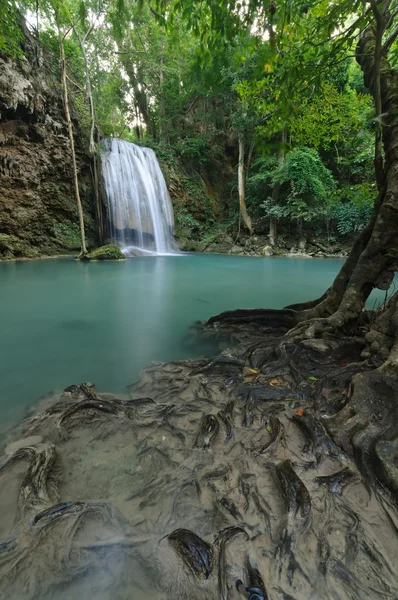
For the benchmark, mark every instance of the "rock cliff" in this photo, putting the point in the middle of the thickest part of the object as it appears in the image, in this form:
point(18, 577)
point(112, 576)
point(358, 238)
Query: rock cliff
point(38, 214)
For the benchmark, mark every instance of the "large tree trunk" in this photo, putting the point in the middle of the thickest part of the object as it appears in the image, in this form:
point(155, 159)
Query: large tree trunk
point(376, 263)
point(241, 184)
point(373, 257)
point(72, 143)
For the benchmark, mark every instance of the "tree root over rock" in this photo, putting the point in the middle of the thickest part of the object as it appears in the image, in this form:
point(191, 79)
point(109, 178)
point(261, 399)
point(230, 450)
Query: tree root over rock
point(276, 453)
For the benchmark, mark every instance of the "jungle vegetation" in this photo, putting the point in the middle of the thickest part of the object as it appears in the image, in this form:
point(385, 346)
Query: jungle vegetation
point(272, 90)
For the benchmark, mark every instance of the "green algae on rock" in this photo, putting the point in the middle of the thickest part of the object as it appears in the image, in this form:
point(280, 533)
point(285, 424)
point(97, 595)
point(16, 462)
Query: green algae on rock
point(107, 252)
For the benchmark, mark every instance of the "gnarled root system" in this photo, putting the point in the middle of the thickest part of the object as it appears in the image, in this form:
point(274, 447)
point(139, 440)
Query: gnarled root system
point(264, 468)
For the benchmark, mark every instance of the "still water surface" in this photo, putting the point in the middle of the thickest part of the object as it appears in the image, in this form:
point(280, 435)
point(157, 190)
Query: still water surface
point(64, 322)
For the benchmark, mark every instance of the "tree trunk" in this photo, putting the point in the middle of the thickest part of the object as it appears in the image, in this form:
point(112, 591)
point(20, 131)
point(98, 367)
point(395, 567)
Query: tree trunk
point(241, 185)
point(161, 96)
point(92, 144)
point(378, 257)
point(372, 259)
point(89, 96)
point(72, 143)
point(140, 96)
point(273, 222)
point(273, 229)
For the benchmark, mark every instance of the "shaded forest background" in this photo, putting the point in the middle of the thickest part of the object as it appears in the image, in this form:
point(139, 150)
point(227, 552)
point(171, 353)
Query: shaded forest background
point(300, 128)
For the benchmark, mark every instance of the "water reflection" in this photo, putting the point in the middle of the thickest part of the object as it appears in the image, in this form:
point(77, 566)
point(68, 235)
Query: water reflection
point(64, 322)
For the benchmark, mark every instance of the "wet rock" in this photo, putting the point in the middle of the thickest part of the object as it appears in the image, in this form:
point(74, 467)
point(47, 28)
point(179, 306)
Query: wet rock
point(196, 553)
point(82, 391)
point(208, 431)
point(108, 252)
point(38, 206)
point(267, 251)
point(387, 452)
point(294, 492)
point(32, 440)
point(318, 345)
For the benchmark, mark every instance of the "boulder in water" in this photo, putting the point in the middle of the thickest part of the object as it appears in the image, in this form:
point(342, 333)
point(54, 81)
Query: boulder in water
point(108, 252)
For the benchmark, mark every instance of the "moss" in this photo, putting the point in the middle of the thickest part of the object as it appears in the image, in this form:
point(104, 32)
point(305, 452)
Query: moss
point(12, 247)
point(107, 252)
point(67, 234)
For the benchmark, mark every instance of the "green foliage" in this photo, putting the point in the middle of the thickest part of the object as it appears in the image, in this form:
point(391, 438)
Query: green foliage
point(193, 148)
point(329, 117)
point(10, 31)
point(67, 234)
point(307, 185)
point(192, 78)
point(261, 174)
point(353, 207)
point(185, 221)
point(108, 252)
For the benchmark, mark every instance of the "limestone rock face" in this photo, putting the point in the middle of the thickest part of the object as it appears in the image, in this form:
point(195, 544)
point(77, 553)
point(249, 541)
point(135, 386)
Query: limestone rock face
point(267, 251)
point(38, 214)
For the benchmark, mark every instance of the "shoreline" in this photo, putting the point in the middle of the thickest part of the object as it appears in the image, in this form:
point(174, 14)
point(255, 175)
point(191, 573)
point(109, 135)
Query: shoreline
point(182, 252)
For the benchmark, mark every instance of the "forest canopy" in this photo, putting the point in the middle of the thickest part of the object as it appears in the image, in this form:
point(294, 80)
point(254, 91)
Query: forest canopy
point(250, 81)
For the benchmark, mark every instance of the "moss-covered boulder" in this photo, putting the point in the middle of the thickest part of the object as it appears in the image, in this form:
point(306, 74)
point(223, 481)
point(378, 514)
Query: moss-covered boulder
point(108, 252)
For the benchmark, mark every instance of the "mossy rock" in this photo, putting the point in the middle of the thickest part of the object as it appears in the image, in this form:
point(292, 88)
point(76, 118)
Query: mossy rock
point(108, 252)
point(12, 247)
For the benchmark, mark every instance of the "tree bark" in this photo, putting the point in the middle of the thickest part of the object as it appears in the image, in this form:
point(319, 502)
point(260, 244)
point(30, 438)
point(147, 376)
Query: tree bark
point(162, 111)
point(72, 143)
point(92, 144)
point(380, 20)
point(372, 258)
point(378, 256)
point(241, 184)
point(273, 222)
point(89, 95)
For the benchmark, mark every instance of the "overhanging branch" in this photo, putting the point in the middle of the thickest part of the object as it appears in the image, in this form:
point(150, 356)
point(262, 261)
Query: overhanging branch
point(389, 41)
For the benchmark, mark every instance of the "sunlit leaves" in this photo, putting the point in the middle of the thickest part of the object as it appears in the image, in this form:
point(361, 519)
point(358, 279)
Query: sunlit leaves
point(10, 32)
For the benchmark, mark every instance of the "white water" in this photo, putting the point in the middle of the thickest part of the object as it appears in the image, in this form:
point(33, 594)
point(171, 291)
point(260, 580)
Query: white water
point(139, 208)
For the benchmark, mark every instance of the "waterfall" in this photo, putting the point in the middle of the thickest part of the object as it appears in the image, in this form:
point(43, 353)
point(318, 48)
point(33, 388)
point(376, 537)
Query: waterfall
point(140, 213)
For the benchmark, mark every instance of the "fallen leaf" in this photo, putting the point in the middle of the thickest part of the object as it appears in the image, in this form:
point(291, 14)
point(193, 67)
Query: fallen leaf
point(274, 382)
point(312, 378)
point(300, 412)
point(252, 371)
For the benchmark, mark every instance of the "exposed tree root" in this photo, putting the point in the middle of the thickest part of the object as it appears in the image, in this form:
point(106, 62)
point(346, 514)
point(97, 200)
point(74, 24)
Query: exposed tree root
point(267, 317)
point(370, 416)
point(36, 491)
point(48, 544)
point(232, 452)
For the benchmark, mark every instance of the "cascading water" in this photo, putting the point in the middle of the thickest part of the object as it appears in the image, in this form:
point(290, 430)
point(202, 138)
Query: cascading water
point(139, 208)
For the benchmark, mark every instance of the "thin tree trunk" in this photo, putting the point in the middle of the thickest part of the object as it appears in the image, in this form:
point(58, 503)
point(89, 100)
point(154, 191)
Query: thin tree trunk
point(241, 184)
point(89, 91)
point(379, 30)
point(92, 144)
point(100, 222)
point(249, 158)
point(273, 222)
point(72, 143)
point(161, 96)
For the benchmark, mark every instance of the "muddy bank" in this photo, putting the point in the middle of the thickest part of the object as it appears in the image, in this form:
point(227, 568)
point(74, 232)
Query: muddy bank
point(209, 473)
